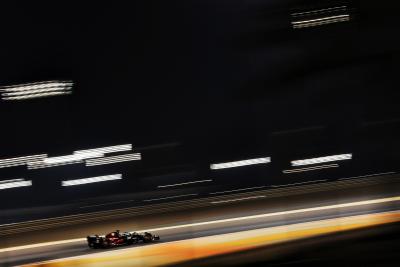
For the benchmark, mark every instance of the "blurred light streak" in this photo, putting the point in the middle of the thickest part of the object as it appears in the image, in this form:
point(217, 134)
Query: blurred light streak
point(36, 90)
point(312, 168)
point(15, 183)
point(236, 199)
point(107, 204)
point(92, 180)
point(11, 180)
point(236, 190)
point(367, 175)
point(155, 199)
point(308, 182)
point(34, 95)
point(69, 158)
point(193, 182)
point(79, 156)
point(281, 213)
point(240, 163)
point(323, 10)
point(170, 253)
point(41, 165)
point(320, 21)
point(318, 160)
point(107, 149)
point(20, 161)
point(113, 159)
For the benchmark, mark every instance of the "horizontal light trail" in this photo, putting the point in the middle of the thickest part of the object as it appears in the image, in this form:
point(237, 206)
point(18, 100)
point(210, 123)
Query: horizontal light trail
point(69, 158)
point(11, 180)
point(240, 163)
point(308, 182)
point(237, 190)
point(113, 159)
point(265, 215)
point(107, 204)
point(40, 165)
point(318, 160)
point(193, 182)
point(36, 95)
point(367, 175)
point(311, 168)
point(36, 85)
point(92, 180)
point(280, 213)
point(319, 19)
point(236, 199)
point(106, 149)
point(155, 199)
point(80, 156)
point(44, 244)
point(36, 90)
point(319, 11)
point(20, 161)
point(14, 184)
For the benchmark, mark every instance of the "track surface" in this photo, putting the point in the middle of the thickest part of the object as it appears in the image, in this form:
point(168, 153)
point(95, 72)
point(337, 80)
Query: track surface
point(233, 209)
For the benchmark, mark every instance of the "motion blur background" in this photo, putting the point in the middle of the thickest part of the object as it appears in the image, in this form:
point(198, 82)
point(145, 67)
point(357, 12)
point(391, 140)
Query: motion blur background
point(191, 83)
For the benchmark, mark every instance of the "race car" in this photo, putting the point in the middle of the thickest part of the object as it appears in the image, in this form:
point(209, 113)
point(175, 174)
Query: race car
point(116, 238)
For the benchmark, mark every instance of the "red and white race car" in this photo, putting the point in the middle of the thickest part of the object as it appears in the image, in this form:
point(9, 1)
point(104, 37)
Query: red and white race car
point(117, 238)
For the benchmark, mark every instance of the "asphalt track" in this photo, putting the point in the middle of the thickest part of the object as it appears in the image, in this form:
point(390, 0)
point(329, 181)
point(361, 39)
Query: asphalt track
point(235, 214)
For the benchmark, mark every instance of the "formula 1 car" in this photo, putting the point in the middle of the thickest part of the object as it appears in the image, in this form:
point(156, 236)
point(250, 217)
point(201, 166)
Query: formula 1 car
point(116, 238)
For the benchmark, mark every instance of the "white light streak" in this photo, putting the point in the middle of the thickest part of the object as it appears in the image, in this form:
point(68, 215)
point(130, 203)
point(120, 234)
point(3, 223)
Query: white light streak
point(155, 199)
point(41, 165)
point(113, 159)
point(92, 180)
point(236, 190)
point(193, 182)
point(367, 175)
point(20, 161)
point(324, 10)
point(236, 199)
point(36, 95)
point(308, 182)
point(318, 160)
point(240, 163)
point(11, 180)
point(105, 150)
point(36, 85)
point(320, 21)
point(36, 90)
point(72, 158)
point(15, 183)
point(312, 168)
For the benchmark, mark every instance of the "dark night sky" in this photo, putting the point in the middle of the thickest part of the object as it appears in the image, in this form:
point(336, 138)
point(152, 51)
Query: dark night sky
point(224, 77)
